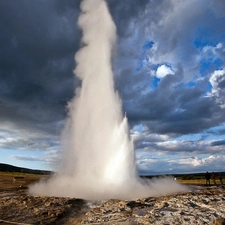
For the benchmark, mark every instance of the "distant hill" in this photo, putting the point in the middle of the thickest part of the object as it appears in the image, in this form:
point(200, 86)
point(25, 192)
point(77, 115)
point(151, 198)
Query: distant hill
point(10, 168)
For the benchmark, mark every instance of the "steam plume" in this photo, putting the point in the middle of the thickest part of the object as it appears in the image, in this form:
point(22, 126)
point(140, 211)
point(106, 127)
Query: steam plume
point(97, 154)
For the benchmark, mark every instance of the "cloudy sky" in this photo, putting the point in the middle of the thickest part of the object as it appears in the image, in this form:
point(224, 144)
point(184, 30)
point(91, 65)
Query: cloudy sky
point(169, 68)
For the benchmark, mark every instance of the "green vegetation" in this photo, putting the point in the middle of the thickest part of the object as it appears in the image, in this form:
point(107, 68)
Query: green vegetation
point(13, 174)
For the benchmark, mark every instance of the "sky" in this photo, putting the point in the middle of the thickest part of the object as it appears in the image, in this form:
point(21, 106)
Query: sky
point(169, 70)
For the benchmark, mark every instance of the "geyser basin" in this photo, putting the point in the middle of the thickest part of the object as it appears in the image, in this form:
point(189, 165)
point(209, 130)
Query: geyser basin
point(98, 160)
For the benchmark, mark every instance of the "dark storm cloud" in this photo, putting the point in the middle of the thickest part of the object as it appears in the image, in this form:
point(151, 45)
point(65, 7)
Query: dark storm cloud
point(38, 41)
point(222, 84)
point(172, 107)
point(171, 116)
point(218, 143)
point(123, 12)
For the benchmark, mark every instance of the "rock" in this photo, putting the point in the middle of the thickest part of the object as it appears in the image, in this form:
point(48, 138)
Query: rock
point(200, 207)
point(219, 221)
point(47, 204)
point(59, 213)
point(36, 211)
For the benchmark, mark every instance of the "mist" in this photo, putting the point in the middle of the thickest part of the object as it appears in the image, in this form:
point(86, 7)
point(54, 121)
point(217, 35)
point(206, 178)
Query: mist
point(97, 160)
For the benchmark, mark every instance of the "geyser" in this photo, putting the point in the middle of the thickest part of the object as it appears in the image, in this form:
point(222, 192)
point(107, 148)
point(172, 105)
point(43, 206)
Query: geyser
point(98, 160)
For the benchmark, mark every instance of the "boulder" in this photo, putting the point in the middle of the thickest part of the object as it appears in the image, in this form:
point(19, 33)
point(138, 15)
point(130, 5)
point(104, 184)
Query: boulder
point(219, 221)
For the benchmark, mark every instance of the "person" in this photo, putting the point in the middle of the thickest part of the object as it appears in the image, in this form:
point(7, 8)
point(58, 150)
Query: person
point(207, 178)
point(214, 177)
point(221, 178)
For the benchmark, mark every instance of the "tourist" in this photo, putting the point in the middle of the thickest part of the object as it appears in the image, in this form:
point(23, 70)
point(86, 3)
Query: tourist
point(207, 178)
point(214, 177)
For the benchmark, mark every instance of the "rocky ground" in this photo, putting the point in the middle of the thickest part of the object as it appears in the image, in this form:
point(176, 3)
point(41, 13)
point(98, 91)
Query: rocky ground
point(200, 206)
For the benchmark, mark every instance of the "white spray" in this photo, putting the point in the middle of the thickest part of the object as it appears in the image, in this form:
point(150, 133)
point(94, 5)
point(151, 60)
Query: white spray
point(97, 160)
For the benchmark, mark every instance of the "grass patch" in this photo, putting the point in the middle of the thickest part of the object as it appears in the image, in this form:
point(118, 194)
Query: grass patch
point(6, 179)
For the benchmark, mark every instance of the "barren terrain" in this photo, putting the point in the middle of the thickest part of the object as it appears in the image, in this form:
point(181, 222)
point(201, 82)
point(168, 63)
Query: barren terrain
point(202, 205)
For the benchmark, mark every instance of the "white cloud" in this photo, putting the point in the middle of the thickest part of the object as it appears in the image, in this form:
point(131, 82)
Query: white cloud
point(180, 164)
point(163, 71)
point(215, 79)
point(176, 156)
point(211, 53)
point(212, 49)
point(190, 162)
point(149, 137)
point(27, 158)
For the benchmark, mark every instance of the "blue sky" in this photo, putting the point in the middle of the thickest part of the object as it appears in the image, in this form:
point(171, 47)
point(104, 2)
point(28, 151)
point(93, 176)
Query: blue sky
point(169, 69)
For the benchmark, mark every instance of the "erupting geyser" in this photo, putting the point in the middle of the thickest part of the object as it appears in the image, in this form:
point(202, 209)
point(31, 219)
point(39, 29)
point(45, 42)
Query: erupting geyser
point(97, 160)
